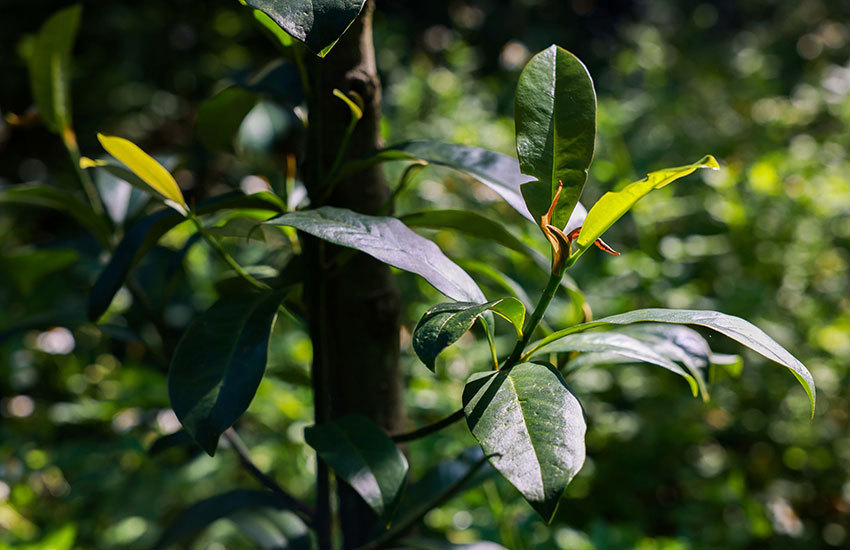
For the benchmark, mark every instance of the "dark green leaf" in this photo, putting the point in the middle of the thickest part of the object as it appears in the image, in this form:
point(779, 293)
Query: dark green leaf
point(218, 364)
point(317, 23)
point(736, 328)
point(531, 426)
point(219, 118)
point(28, 268)
point(391, 242)
point(180, 438)
point(444, 324)
point(365, 457)
point(418, 543)
point(50, 67)
point(555, 113)
point(201, 514)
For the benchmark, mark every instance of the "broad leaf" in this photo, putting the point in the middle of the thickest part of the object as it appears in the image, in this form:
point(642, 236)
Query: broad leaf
point(50, 67)
point(555, 111)
point(56, 199)
point(219, 363)
point(735, 328)
point(317, 23)
point(220, 116)
point(365, 457)
point(391, 242)
point(614, 204)
point(202, 514)
point(142, 236)
point(444, 324)
point(147, 168)
point(531, 426)
point(616, 344)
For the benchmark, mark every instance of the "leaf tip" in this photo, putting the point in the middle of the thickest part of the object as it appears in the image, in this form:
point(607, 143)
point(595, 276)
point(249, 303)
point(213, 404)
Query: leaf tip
point(710, 162)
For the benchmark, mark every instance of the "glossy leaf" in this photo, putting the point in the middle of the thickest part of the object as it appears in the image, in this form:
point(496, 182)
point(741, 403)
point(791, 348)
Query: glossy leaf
point(735, 328)
point(365, 457)
point(203, 513)
point(143, 235)
point(444, 324)
point(219, 363)
point(50, 67)
point(317, 23)
point(391, 242)
point(531, 426)
point(555, 111)
point(614, 204)
point(220, 116)
point(146, 167)
point(614, 343)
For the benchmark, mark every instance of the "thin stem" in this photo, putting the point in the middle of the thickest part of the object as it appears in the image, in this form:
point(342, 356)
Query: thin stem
point(340, 154)
point(304, 512)
point(536, 316)
point(69, 138)
point(429, 429)
point(406, 178)
point(217, 246)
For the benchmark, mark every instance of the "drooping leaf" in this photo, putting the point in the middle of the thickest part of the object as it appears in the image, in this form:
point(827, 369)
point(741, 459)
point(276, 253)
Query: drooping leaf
point(219, 363)
point(55, 199)
point(147, 168)
point(735, 328)
point(317, 23)
point(614, 204)
point(555, 111)
point(143, 235)
point(616, 344)
point(391, 242)
point(444, 324)
point(365, 457)
point(50, 67)
point(531, 426)
point(220, 116)
point(203, 513)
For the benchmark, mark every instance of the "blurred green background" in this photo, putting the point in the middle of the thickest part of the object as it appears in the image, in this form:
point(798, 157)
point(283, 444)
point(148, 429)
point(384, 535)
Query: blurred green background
point(763, 85)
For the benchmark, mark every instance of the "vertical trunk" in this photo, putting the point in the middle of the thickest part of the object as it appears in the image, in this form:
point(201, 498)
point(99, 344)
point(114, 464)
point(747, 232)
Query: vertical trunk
point(354, 310)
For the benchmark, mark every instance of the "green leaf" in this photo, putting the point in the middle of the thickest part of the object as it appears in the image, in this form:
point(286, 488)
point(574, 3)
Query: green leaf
point(614, 204)
point(203, 513)
point(616, 344)
point(735, 328)
point(147, 168)
point(420, 543)
point(444, 324)
point(28, 268)
point(365, 457)
point(555, 111)
point(50, 67)
point(220, 116)
point(531, 426)
point(317, 23)
point(62, 201)
point(391, 242)
point(143, 235)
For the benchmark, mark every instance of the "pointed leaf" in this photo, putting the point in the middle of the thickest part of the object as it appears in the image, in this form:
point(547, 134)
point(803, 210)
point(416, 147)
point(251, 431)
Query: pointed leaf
point(532, 427)
point(391, 242)
point(317, 23)
point(50, 67)
point(735, 328)
point(614, 204)
point(219, 363)
point(555, 112)
point(444, 324)
point(365, 457)
point(146, 167)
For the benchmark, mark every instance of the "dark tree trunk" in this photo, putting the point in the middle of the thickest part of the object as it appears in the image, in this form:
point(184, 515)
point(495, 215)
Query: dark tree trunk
point(354, 310)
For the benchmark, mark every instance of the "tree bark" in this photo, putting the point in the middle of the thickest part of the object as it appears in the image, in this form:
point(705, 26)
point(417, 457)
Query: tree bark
point(354, 310)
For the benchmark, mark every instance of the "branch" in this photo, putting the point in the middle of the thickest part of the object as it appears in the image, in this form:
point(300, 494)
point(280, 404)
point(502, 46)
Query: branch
point(429, 429)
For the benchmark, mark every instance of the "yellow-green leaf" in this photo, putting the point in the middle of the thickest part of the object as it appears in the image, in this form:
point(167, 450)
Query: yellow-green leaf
point(146, 167)
point(614, 204)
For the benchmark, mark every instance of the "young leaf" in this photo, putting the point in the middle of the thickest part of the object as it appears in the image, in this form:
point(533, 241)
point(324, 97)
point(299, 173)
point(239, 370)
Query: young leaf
point(444, 324)
point(50, 67)
point(614, 204)
point(365, 457)
point(219, 363)
point(147, 168)
point(735, 328)
point(531, 426)
point(616, 344)
point(391, 242)
point(317, 23)
point(555, 111)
